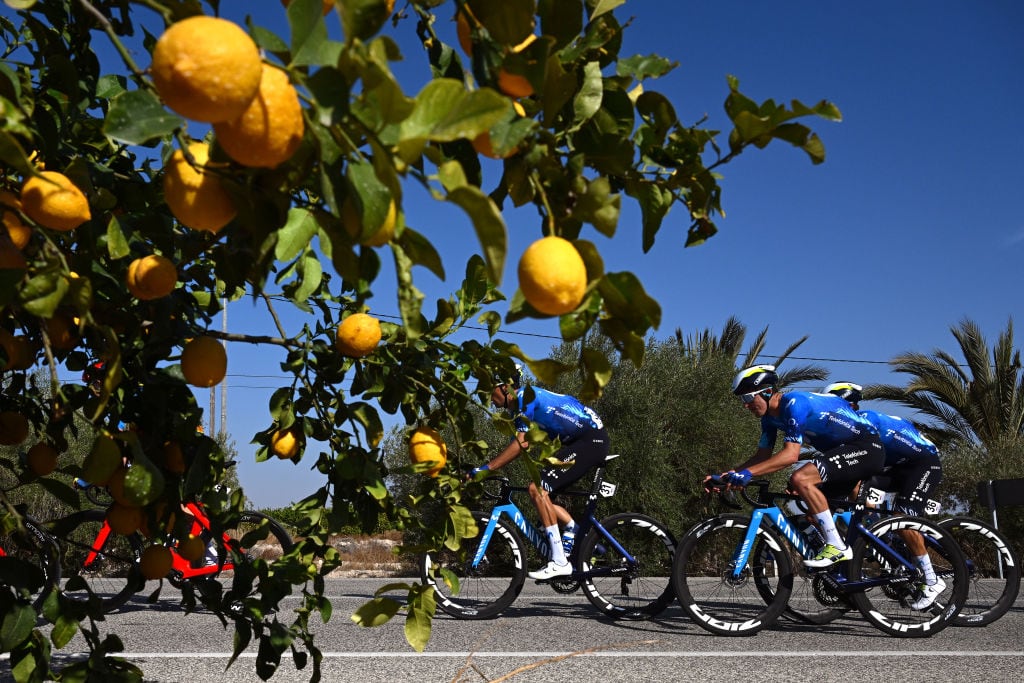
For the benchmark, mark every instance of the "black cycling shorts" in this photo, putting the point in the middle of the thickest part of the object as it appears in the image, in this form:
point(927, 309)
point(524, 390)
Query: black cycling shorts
point(850, 462)
point(914, 482)
point(585, 452)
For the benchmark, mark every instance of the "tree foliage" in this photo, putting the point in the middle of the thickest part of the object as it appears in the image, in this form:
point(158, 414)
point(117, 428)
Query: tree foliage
point(592, 134)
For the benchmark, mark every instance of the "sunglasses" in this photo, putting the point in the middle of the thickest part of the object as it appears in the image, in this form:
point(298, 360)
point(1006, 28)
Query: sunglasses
point(749, 398)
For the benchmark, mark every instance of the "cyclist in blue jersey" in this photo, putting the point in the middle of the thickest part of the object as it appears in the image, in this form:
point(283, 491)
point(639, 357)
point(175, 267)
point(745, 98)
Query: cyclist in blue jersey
point(912, 466)
point(584, 446)
point(848, 446)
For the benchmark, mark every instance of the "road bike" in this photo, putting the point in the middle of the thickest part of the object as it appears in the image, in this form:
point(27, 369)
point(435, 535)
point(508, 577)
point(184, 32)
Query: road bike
point(29, 561)
point(734, 574)
point(992, 563)
point(623, 562)
point(98, 562)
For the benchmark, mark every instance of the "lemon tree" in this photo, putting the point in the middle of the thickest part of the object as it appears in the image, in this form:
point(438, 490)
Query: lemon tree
point(109, 161)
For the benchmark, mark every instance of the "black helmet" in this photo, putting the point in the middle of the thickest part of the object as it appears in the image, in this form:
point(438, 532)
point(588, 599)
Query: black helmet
point(755, 378)
point(846, 390)
point(515, 380)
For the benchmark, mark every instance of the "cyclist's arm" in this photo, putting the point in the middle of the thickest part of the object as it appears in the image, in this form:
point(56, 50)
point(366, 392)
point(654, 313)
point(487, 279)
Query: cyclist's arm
point(512, 451)
point(786, 456)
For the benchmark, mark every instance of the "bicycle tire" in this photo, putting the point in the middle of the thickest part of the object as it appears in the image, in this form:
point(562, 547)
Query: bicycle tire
point(484, 592)
point(113, 577)
point(34, 566)
point(884, 607)
point(621, 590)
point(994, 570)
point(711, 596)
point(249, 531)
point(810, 601)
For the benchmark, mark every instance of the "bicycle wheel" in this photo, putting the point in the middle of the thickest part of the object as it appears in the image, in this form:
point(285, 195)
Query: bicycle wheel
point(259, 537)
point(886, 606)
point(29, 562)
point(811, 600)
point(994, 570)
point(481, 592)
point(622, 589)
point(106, 568)
point(710, 591)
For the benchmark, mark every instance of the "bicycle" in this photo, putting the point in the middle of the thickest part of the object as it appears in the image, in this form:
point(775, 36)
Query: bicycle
point(623, 562)
point(734, 574)
point(29, 561)
point(99, 562)
point(992, 564)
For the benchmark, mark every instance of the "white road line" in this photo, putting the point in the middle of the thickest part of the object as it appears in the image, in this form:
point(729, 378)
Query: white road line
point(616, 653)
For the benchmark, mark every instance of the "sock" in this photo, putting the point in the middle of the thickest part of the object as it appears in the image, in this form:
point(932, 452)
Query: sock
point(555, 541)
point(828, 529)
point(572, 527)
point(925, 563)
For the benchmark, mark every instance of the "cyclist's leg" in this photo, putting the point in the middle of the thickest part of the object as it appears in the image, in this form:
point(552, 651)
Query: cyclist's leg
point(915, 482)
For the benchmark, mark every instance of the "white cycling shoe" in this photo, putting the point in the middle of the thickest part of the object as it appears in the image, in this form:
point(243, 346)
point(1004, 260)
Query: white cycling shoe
point(928, 594)
point(551, 571)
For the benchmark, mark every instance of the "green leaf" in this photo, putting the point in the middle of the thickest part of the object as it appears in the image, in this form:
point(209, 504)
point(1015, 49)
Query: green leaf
point(43, 293)
point(376, 612)
point(63, 630)
point(296, 234)
point(362, 18)
point(588, 100)
point(446, 111)
point(640, 67)
point(422, 606)
point(117, 243)
point(137, 117)
point(602, 7)
point(626, 300)
point(17, 624)
point(489, 225)
point(310, 44)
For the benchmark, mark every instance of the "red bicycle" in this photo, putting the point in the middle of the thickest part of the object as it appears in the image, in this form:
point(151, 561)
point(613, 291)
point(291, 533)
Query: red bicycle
point(98, 562)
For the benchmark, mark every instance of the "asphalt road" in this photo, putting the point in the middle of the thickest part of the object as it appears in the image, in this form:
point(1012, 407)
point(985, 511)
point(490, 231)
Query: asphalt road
point(545, 636)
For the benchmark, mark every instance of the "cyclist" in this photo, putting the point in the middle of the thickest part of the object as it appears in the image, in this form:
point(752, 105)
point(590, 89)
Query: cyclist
point(848, 446)
point(584, 446)
point(912, 465)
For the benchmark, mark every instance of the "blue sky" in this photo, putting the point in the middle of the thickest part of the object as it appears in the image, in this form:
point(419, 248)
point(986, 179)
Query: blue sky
point(909, 226)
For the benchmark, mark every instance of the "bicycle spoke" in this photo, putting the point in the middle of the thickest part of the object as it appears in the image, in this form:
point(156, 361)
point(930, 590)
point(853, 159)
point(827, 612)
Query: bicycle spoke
point(993, 567)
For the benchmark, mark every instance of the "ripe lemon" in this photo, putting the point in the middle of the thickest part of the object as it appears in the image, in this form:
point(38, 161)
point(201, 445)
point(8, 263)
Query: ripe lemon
point(358, 335)
point(156, 562)
point(19, 351)
point(174, 458)
point(10, 257)
point(41, 459)
point(12, 223)
point(512, 84)
point(463, 31)
point(353, 223)
point(426, 447)
point(328, 5)
point(54, 201)
point(270, 130)
point(196, 196)
point(151, 277)
point(124, 519)
point(285, 443)
point(206, 69)
point(552, 276)
point(13, 428)
point(204, 362)
point(115, 484)
point(62, 331)
point(102, 461)
point(192, 547)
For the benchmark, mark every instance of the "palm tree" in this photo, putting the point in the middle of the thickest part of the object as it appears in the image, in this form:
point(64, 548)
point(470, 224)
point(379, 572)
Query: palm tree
point(979, 402)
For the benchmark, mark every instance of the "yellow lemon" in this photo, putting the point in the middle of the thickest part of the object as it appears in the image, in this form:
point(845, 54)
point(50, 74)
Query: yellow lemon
point(151, 277)
point(62, 331)
point(358, 335)
point(192, 547)
point(270, 130)
point(206, 69)
point(204, 362)
point(102, 461)
point(552, 276)
point(19, 351)
point(427, 447)
point(155, 562)
point(196, 196)
point(41, 459)
point(11, 222)
point(353, 223)
point(124, 519)
point(54, 201)
point(174, 457)
point(285, 443)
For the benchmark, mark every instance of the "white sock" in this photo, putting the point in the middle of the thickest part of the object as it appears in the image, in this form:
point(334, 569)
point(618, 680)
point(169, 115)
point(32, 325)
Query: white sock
point(555, 541)
point(925, 563)
point(572, 527)
point(828, 529)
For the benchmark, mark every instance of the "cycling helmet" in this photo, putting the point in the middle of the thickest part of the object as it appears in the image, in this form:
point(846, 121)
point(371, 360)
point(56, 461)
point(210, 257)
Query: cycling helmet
point(515, 380)
point(845, 390)
point(754, 379)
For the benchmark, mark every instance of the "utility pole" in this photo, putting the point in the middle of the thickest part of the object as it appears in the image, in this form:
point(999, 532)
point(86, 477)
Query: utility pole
point(224, 384)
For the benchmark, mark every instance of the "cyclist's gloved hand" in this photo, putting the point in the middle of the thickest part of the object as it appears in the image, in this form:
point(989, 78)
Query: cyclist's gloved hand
point(741, 478)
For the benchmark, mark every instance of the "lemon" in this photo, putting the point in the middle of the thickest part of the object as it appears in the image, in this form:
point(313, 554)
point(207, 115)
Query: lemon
point(463, 31)
point(151, 277)
point(285, 443)
point(204, 362)
point(427, 448)
point(206, 69)
point(62, 331)
point(552, 276)
point(270, 130)
point(102, 461)
point(124, 519)
point(196, 196)
point(14, 428)
point(512, 84)
point(11, 222)
point(10, 257)
point(192, 547)
point(115, 484)
point(353, 223)
point(54, 201)
point(174, 458)
point(41, 459)
point(155, 562)
point(358, 335)
point(18, 349)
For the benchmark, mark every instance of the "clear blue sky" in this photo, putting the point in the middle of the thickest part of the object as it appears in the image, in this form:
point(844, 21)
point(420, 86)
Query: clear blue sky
point(910, 225)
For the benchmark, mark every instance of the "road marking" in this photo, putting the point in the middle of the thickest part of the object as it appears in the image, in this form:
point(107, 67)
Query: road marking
point(616, 653)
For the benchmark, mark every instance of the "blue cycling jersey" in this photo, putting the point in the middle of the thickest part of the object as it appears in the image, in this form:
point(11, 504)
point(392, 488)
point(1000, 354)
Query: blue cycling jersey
point(903, 443)
point(557, 414)
point(823, 421)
